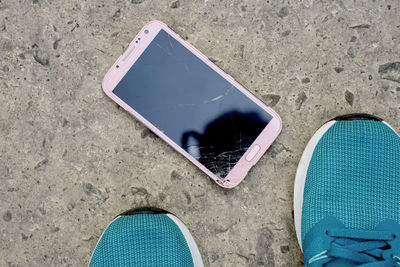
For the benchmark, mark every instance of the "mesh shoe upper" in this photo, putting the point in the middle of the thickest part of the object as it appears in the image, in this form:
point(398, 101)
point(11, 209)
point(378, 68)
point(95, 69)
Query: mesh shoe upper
point(142, 240)
point(354, 176)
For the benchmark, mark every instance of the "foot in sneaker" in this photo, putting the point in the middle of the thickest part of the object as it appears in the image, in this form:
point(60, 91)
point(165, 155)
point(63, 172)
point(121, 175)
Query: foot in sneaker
point(347, 194)
point(146, 237)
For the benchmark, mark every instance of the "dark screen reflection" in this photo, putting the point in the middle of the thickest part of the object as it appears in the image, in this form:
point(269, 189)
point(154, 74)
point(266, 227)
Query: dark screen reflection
point(192, 104)
point(219, 151)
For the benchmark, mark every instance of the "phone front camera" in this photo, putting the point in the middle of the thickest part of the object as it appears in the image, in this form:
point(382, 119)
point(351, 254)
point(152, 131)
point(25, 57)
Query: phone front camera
point(146, 31)
point(117, 66)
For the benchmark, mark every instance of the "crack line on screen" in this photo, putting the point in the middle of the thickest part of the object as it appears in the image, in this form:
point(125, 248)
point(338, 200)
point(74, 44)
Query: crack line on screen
point(221, 164)
point(220, 96)
point(169, 40)
point(182, 105)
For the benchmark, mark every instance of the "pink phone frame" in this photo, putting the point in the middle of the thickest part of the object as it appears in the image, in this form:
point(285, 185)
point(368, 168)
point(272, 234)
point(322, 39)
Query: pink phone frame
point(129, 57)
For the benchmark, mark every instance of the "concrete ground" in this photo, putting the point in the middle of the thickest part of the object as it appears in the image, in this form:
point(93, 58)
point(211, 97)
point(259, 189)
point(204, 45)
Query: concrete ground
point(71, 159)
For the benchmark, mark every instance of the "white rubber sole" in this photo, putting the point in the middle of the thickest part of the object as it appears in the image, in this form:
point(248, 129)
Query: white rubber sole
point(194, 250)
point(301, 174)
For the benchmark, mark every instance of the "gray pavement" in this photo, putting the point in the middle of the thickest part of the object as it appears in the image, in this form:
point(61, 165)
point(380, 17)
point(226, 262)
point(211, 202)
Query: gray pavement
point(70, 159)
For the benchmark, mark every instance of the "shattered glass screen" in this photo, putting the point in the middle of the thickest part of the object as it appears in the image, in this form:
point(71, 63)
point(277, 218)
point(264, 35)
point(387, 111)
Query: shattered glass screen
point(192, 104)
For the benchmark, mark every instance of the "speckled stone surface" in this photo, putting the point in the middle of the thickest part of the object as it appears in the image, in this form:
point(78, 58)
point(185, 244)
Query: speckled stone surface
point(71, 160)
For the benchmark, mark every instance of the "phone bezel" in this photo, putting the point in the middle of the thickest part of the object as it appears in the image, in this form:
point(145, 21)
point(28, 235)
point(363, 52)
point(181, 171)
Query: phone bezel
point(129, 57)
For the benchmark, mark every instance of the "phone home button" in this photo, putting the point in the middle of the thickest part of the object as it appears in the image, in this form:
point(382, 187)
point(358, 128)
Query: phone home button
point(253, 152)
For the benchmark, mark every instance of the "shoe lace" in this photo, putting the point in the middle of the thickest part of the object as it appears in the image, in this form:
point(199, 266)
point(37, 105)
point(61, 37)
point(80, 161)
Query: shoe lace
point(363, 247)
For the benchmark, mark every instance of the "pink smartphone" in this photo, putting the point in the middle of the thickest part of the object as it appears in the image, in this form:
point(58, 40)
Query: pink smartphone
point(193, 105)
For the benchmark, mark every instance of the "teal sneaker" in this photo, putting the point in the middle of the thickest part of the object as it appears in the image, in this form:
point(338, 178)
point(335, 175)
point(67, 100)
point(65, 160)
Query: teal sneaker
point(146, 237)
point(347, 194)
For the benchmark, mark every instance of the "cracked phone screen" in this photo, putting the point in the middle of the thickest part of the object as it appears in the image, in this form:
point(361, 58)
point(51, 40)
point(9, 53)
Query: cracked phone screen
point(192, 104)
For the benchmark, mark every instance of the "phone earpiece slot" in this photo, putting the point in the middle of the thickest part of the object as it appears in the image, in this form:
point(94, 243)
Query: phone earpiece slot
point(127, 53)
